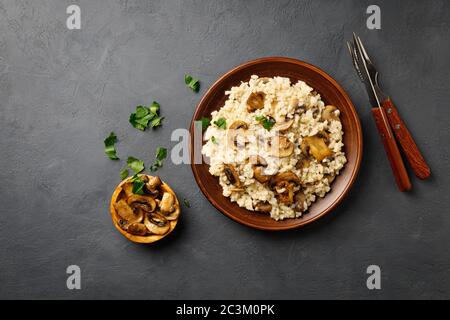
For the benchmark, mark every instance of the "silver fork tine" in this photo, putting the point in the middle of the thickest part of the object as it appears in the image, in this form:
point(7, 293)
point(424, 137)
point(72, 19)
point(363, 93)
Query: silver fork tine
point(352, 52)
point(363, 50)
point(349, 48)
point(358, 52)
point(355, 40)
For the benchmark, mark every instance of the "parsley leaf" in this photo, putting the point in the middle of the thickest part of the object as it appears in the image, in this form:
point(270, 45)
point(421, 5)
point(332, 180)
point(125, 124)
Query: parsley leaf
point(138, 184)
point(141, 111)
point(156, 122)
point(192, 83)
point(135, 164)
point(134, 122)
point(154, 108)
point(157, 164)
point(205, 123)
point(221, 123)
point(187, 203)
point(213, 140)
point(145, 117)
point(161, 154)
point(124, 174)
point(266, 122)
point(110, 150)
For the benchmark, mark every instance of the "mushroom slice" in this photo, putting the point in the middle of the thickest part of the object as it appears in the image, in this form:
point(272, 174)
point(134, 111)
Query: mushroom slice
point(172, 215)
point(156, 223)
point(300, 200)
point(232, 176)
point(317, 147)
point(127, 187)
point(288, 176)
point(123, 224)
point(324, 135)
point(258, 168)
point(283, 126)
point(145, 203)
point(281, 147)
point(258, 174)
point(138, 229)
point(303, 163)
point(329, 113)
point(153, 185)
point(167, 202)
point(255, 101)
point(257, 160)
point(304, 146)
point(127, 213)
point(236, 129)
point(239, 124)
point(168, 207)
point(263, 207)
point(287, 196)
point(287, 182)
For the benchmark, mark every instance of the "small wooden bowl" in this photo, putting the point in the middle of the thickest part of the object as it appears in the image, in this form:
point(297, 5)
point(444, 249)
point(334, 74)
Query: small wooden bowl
point(140, 239)
point(331, 93)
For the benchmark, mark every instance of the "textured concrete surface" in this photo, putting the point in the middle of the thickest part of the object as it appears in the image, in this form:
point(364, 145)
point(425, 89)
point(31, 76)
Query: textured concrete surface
point(62, 91)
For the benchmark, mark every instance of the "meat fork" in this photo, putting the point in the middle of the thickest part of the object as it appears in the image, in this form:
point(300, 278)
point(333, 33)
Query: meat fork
point(389, 124)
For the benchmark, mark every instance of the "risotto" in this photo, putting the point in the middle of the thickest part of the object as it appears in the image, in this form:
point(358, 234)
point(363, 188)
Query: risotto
point(275, 146)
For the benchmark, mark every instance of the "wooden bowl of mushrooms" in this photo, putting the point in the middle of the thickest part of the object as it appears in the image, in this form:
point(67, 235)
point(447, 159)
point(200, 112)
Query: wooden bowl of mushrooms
point(148, 216)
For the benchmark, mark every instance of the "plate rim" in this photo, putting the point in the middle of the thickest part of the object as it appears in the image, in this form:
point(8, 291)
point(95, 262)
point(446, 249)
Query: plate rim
point(354, 115)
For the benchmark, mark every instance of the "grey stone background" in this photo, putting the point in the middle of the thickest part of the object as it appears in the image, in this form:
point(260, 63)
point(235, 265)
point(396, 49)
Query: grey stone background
point(62, 91)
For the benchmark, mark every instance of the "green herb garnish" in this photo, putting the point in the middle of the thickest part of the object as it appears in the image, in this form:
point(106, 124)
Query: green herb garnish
point(138, 184)
point(266, 122)
point(192, 83)
point(154, 108)
point(135, 164)
point(205, 123)
point(110, 150)
point(124, 174)
point(156, 122)
point(145, 117)
point(221, 123)
point(187, 203)
point(213, 140)
point(161, 154)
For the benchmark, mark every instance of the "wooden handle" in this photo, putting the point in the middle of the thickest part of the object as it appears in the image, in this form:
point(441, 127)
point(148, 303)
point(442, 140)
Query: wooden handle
point(409, 147)
point(392, 152)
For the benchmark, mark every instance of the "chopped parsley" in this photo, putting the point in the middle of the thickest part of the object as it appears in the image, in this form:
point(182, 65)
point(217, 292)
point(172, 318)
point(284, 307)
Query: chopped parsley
point(213, 140)
point(146, 117)
point(110, 150)
point(221, 123)
point(156, 122)
point(187, 203)
point(138, 185)
point(154, 107)
point(124, 174)
point(266, 122)
point(205, 123)
point(192, 83)
point(161, 154)
point(135, 164)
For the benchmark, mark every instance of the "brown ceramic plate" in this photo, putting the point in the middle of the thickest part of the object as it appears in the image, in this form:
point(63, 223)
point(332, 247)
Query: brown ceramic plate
point(330, 91)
